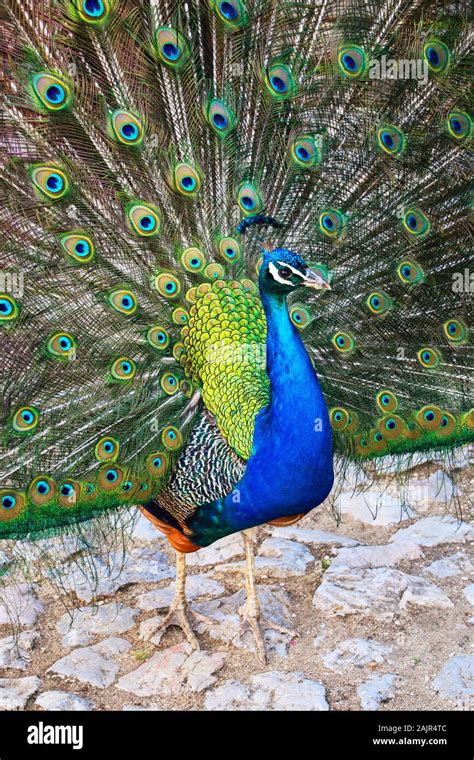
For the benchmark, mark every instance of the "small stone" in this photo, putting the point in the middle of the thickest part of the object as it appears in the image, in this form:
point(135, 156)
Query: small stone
point(373, 507)
point(92, 664)
point(19, 605)
point(378, 689)
point(196, 586)
point(143, 564)
point(356, 653)
point(173, 671)
point(432, 531)
point(85, 623)
point(456, 680)
point(469, 593)
point(218, 553)
point(275, 690)
point(15, 692)
point(379, 555)
point(316, 537)
point(450, 566)
point(15, 650)
point(375, 591)
point(419, 594)
point(63, 700)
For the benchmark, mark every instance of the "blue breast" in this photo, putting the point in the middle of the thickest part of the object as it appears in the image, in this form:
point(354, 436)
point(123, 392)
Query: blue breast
point(290, 470)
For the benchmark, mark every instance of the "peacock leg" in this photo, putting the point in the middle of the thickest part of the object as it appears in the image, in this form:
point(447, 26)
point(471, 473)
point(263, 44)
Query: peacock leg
point(180, 613)
point(251, 611)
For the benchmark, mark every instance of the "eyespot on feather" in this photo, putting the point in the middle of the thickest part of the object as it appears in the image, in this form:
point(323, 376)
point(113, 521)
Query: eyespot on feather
point(280, 81)
point(144, 219)
point(157, 463)
point(249, 199)
point(171, 47)
point(127, 128)
point(42, 490)
point(50, 181)
point(343, 342)
point(123, 301)
point(25, 419)
point(158, 337)
point(12, 503)
point(391, 140)
point(386, 401)
point(428, 357)
point(78, 247)
point(167, 285)
point(172, 438)
point(9, 308)
point(107, 449)
point(352, 61)
point(62, 345)
point(94, 12)
point(123, 369)
point(51, 91)
point(437, 55)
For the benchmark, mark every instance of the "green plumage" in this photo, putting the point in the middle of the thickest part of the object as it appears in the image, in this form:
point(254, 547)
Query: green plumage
point(137, 137)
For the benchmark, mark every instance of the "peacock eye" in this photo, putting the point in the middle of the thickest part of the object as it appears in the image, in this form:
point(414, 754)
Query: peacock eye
point(285, 273)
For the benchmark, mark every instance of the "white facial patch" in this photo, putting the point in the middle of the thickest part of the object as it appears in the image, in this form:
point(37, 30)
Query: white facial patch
point(274, 272)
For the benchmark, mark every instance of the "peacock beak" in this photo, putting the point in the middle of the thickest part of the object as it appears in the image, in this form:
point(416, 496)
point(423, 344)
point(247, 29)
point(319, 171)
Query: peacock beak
point(314, 280)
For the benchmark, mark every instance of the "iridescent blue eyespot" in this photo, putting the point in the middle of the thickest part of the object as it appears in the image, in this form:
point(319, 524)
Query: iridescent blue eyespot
point(66, 489)
point(129, 131)
point(147, 223)
point(349, 62)
point(54, 183)
point(228, 11)
point(55, 93)
point(302, 153)
point(248, 202)
point(82, 248)
point(433, 56)
point(170, 51)
point(43, 487)
point(278, 84)
point(93, 8)
point(6, 308)
point(188, 183)
point(111, 475)
point(220, 121)
point(8, 501)
point(127, 485)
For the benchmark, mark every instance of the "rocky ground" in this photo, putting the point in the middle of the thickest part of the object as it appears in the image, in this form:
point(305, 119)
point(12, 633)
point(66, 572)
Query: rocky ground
point(383, 604)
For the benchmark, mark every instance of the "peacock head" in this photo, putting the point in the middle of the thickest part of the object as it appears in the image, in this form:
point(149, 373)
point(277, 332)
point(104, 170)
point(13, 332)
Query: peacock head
point(282, 271)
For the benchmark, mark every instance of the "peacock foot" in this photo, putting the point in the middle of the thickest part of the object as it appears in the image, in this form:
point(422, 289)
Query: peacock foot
point(181, 615)
point(258, 623)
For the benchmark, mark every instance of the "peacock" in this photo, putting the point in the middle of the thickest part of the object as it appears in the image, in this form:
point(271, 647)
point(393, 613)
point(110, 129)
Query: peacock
point(235, 259)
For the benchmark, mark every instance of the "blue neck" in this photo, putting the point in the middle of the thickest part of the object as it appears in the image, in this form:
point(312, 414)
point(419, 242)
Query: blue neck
point(290, 470)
